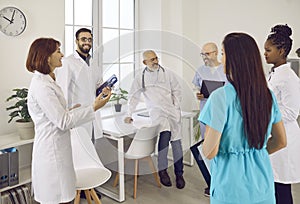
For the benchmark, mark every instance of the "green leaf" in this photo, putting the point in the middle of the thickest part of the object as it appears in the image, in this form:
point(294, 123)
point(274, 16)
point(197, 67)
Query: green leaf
point(11, 97)
point(21, 103)
point(22, 93)
point(14, 114)
point(12, 107)
point(118, 95)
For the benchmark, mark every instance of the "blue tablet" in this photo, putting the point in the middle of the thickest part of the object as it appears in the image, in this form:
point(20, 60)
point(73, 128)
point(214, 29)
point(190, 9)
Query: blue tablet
point(108, 83)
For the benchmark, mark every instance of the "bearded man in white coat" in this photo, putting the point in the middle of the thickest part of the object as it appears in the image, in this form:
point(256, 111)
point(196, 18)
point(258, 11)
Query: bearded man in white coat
point(79, 79)
point(162, 94)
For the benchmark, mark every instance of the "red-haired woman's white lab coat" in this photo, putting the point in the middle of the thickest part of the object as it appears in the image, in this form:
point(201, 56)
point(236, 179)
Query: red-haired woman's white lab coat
point(53, 176)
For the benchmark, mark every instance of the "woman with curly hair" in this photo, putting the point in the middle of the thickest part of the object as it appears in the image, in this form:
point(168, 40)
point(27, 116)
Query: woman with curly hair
point(286, 86)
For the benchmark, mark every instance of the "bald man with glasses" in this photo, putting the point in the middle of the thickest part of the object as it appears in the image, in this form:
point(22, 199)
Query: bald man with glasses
point(211, 70)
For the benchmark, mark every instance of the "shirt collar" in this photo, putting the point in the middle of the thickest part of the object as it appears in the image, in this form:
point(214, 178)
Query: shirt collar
point(279, 68)
point(86, 59)
point(45, 77)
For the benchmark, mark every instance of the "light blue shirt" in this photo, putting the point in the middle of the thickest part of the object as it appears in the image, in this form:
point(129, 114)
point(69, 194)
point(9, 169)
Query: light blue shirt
point(239, 174)
point(207, 73)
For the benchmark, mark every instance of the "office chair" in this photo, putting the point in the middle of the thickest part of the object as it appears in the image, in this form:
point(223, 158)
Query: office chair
point(141, 148)
point(89, 170)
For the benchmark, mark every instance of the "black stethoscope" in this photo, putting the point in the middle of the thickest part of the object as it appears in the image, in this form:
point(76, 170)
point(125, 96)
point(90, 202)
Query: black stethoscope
point(143, 76)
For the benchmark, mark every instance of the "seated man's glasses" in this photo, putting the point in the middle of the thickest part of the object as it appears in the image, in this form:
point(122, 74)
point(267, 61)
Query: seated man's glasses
point(84, 39)
point(205, 54)
point(153, 59)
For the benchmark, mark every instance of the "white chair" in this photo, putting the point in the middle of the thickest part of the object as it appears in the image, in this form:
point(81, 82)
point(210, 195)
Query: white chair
point(89, 170)
point(142, 147)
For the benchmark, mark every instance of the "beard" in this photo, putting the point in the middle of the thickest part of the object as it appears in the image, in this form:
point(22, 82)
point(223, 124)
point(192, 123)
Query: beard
point(208, 62)
point(84, 50)
point(153, 67)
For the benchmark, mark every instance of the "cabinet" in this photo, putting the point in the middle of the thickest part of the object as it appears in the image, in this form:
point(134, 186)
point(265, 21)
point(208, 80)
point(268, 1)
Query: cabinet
point(25, 150)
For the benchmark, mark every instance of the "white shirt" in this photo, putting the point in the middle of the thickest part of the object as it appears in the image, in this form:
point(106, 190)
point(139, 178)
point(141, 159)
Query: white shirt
point(79, 83)
point(286, 86)
point(53, 176)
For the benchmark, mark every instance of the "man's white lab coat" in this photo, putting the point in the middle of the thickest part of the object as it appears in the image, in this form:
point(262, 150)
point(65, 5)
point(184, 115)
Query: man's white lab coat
point(162, 96)
point(78, 82)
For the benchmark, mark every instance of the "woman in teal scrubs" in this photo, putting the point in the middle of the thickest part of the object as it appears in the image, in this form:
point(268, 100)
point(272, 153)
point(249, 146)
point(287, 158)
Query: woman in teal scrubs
point(239, 119)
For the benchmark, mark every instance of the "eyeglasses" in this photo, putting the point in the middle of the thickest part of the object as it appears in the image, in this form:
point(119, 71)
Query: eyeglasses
point(205, 54)
point(153, 59)
point(84, 39)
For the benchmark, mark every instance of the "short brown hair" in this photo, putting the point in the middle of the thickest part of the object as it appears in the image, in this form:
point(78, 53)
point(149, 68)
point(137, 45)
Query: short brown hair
point(82, 30)
point(39, 52)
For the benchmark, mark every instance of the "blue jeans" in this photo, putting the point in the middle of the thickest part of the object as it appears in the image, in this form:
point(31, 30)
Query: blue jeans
point(163, 147)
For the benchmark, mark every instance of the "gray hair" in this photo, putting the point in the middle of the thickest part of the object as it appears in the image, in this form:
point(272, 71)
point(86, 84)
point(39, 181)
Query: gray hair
point(147, 52)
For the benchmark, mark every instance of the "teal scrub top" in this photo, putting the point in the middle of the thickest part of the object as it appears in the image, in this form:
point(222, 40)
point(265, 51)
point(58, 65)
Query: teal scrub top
point(239, 174)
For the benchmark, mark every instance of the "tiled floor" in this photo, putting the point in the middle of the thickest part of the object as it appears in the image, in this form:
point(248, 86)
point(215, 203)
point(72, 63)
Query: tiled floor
point(149, 193)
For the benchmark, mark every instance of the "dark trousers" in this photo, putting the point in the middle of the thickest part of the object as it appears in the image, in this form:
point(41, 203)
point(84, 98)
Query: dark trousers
point(201, 164)
point(283, 193)
point(163, 147)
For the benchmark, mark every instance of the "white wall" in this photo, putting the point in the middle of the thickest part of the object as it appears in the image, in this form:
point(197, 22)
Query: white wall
point(196, 22)
point(256, 17)
point(186, 26)
point(201, 21)
point(44, 19)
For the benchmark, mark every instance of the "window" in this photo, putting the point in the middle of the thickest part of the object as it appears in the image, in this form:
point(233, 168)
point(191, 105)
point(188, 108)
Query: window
point(78, 13)
point(116, 25)
point(118, 39)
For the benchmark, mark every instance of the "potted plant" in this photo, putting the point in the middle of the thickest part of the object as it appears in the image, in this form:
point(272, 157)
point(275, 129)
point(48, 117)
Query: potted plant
point(25, 126)
point(117, 96)
point(196, 125)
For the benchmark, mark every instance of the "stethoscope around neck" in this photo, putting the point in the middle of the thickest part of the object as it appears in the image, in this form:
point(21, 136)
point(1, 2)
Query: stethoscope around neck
point(143, 76)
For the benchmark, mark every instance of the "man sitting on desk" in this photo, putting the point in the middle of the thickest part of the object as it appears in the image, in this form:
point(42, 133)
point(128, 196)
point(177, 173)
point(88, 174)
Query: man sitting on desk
point(162, 94)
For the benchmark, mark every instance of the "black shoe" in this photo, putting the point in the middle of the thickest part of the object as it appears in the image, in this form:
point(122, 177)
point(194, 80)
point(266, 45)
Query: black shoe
point(82, 195)
point(165, 178)
point(180, 183)
point(206, 192)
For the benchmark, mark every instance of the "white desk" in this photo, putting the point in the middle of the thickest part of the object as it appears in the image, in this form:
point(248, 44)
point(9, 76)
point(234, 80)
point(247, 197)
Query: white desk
point(115, 129)
point(108, 110)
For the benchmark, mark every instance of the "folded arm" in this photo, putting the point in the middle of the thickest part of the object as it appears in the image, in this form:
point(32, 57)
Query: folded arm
point(211, 143)
point(278, 139)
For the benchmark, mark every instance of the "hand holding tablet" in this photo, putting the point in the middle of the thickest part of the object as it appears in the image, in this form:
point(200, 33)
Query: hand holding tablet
point(108, 83)
point(209, 86)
